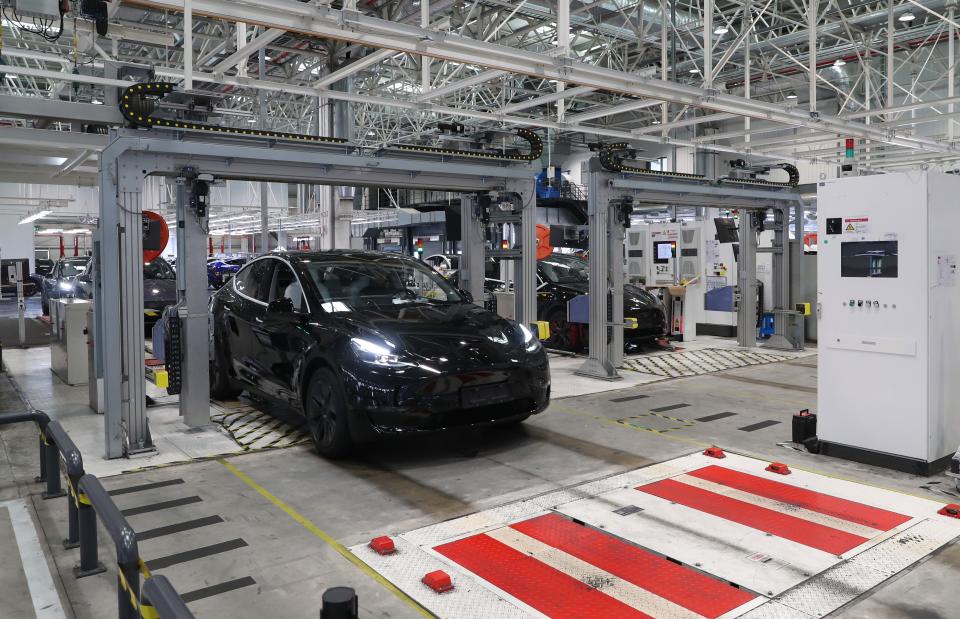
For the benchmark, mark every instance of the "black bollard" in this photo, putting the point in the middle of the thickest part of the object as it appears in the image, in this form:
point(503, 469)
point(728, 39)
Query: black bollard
point(52, 456)
point(43, 461)
point(339, 603)
point(87, 523)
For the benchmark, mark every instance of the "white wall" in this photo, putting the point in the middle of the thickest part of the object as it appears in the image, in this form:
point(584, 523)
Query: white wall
point(16, 241)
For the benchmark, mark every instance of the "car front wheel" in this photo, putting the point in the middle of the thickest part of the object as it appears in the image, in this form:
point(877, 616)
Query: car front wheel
point(326, 412)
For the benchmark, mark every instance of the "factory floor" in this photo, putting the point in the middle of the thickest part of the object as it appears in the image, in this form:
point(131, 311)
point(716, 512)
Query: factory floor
point(265, 531)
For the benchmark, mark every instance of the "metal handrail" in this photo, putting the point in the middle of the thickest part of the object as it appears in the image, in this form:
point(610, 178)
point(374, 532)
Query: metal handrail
point(42, 420)
point(65, 449)
point(159, 594)
point(129, 565)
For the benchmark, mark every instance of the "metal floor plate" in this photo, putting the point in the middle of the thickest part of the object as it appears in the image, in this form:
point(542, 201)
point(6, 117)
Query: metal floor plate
point(254, 429)
point(696, 362)
point(691, 537)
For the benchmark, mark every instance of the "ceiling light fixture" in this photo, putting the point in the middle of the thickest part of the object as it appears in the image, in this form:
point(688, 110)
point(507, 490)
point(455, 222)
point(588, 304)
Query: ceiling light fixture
point(791, 95)
point(694, 70)
point(907, 17)
point(721, 30)
point(839, 62)
point(34, 217)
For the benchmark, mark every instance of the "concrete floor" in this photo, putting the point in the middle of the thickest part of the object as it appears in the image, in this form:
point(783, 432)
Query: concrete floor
point(268, 528)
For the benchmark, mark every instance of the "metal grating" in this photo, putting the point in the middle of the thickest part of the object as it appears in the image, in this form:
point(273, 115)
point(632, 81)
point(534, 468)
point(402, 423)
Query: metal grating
point(253, 429)
point(697, 362)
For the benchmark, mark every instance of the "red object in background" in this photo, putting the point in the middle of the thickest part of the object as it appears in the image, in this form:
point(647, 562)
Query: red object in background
point(714, 452)
point(153, 254)
point(62, 252)
point(383, 545)
point(76, 245)
point(223, 244)
point(850, 143)
point(779, 467)
point(210, 243)
point(544, 248)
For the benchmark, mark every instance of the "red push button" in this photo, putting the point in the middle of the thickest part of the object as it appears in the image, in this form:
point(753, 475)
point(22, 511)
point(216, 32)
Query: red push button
point(779, 468)
point(383, 545)
point(439, 581)
point(952, 510)
point(714, 452)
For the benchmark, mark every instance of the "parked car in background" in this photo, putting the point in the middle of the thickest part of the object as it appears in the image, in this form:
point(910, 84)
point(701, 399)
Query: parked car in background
point(220, 270)
point(365, 344)
point(43, 266)
point(448, 265)
point(62, 281)
point(561, 277)
point(159, 288)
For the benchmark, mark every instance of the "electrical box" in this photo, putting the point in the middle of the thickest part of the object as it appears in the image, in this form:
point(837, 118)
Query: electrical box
point(675, 253)
point(47, 9)
point(69, 357)
point(637, 254)
point(889, 320)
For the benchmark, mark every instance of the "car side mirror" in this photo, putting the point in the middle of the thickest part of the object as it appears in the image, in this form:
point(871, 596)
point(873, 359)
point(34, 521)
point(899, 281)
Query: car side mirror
point(282, 305)
point(467, 296)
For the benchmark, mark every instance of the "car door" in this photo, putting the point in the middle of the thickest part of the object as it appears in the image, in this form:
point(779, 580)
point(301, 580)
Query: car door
point(282, 336)
point(252, 286)
point(50, 289)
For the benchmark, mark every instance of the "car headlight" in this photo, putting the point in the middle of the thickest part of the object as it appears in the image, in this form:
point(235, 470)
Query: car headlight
point(66, 286)
point(376, 354)
point(530, 343)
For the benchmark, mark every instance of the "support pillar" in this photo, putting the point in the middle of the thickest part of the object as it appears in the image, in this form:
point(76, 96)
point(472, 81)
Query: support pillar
point(192, 309)
point(472, 260)
point(747, 282)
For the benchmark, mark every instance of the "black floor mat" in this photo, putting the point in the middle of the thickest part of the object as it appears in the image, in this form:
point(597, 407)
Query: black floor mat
point(37, 332)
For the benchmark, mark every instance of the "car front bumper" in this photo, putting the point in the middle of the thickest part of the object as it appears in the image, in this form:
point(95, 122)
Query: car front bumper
point(453, 400)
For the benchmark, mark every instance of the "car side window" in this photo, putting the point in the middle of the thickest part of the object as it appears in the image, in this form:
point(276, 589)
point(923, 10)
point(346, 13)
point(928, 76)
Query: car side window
point(254, 280)
point(286, 284)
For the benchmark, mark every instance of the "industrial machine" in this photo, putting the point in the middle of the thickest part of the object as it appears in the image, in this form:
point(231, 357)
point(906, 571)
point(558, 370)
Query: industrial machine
point(888, 305)
point(68, 346)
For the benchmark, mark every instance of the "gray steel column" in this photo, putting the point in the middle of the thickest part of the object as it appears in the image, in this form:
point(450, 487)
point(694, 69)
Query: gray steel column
point(194, 327)
point(472, 267)
point(747, 282)
point(598, 209)
point(121, 305)
point(615, 267)
point(262, 118)
point(98, 330)
point(525, 284)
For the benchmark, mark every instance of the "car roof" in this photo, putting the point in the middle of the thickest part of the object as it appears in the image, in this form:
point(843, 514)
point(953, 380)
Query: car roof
point(339, 254)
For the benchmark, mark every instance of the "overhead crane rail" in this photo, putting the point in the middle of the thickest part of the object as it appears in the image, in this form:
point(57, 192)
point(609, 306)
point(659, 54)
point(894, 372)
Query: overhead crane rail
point(140, 102)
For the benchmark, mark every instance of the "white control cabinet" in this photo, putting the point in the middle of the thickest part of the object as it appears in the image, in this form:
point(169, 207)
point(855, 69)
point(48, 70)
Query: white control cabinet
point(889, 319)
point(68, 345)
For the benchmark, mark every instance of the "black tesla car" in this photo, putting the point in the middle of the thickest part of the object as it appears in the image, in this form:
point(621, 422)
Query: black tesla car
point(563, 277)
point(366, 344)
point(159, 288)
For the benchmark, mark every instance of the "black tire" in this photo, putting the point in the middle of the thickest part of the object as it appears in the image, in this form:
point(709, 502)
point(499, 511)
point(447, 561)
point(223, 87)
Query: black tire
point(325, 408)
point(559, 331)
point(222, 386)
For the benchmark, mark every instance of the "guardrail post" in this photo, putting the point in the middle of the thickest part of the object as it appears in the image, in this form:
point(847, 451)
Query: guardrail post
point(43, 461)
point(52, 458)
point(339, 603)
point(87, 524)
point(128, 601)
point(158, 593)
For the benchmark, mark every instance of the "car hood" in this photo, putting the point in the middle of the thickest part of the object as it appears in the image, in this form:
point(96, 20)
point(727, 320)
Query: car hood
point(446, 335)
point(634, 297)
point(157, 290)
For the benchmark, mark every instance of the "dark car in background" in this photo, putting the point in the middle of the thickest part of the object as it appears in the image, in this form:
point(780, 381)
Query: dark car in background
point(61, 283)
point(159, 288)
point(563, 277)
point(366, 344)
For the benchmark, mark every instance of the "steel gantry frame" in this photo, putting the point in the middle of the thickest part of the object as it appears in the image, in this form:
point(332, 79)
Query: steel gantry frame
point(132, 156)
point(609, 190)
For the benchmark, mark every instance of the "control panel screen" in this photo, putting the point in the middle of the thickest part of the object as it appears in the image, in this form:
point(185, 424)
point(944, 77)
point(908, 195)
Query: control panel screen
point(868, 259)
point(663, 251)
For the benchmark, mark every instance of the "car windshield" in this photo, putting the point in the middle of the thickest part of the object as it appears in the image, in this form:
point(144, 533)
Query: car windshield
point(565, 269)
point(73, 268)
point(350, 285)
point(158, 269)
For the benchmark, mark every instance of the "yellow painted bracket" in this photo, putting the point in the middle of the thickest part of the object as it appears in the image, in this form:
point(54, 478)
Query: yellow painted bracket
point(159, 377)
point(541, 328)
point(630, 323)
point(803, 308)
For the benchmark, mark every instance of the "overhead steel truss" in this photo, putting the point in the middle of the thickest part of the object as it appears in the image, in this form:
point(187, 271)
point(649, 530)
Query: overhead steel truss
point(131, 156)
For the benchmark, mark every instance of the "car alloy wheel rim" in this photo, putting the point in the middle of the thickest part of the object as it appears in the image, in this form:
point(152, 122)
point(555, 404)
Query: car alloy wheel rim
point(322, 416)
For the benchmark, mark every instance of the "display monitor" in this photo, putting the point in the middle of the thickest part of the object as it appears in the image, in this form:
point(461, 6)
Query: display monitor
point(727, 230)
point(868, 259)
point(664, 251)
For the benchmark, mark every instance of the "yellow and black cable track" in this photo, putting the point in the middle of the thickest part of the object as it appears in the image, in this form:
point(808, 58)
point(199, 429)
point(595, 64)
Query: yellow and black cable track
point(139, 102)
point(612, 161)
point(755, 181)
point(536, 149)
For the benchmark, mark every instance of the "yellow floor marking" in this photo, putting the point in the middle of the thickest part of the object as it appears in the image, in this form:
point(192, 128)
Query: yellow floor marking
point(317, 531)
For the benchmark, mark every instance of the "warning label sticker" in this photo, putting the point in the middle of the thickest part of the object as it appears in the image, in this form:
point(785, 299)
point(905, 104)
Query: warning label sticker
point(856, 225)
